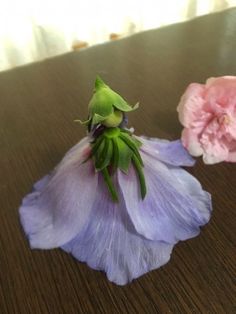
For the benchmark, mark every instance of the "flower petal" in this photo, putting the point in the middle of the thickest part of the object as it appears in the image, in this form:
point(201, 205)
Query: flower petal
point(232, 152)
point(170, 152)
point(232, 157)
point(174, 207)
point(58, 207)
point(191, 104)
point(191, 141)
point(110, 243)
point(220, 93)
point(231, 128)
point(215, 151)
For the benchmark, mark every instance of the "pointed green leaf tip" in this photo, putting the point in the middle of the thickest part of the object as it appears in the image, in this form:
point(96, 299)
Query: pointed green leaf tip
point(104, 103)
point(99, 83)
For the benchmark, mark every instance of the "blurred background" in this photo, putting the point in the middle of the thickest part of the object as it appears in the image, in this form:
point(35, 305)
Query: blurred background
point(32, 30)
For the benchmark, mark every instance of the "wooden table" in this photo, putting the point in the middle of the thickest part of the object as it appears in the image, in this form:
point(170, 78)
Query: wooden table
point(38, 104)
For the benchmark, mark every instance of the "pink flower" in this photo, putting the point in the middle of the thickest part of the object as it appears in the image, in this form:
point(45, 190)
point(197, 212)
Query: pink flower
point(208, 114)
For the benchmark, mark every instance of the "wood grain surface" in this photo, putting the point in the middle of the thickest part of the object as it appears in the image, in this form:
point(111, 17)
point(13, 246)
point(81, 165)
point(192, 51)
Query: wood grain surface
point(38, 104)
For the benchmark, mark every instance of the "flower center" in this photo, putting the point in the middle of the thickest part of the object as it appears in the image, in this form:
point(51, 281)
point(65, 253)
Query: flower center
point(224, 119)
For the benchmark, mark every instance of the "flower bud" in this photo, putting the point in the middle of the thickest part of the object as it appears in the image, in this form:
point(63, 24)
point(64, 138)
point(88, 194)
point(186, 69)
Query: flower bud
point(106, 106)
point(114, 119)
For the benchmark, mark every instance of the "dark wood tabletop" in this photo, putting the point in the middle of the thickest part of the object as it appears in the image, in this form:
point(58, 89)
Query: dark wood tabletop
point(38, 104)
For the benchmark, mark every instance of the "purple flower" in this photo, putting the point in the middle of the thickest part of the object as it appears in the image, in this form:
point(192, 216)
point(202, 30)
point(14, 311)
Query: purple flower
point(71, 208)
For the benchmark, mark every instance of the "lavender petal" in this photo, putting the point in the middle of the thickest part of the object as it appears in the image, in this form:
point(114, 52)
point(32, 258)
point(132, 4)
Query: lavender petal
point(110, 243)
point(170, 152)
point(175, 205)
point(59, 206)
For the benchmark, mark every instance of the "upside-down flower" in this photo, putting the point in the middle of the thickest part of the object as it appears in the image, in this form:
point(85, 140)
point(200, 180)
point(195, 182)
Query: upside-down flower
point(116, 201)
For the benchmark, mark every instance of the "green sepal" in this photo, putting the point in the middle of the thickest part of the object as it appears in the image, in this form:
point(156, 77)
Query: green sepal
point(102, 159)
point(96, 145)
point(98, 154)
point(100, 104)
point(109, 184)
point(99, 83)
point(139, 170)
point(86, 122)
point(134, 139)
point(125, 107)
point(132, 145)
point(124, 156)
point(98, 118)
point(126, 131)
point(116, 149)
point(115, 157)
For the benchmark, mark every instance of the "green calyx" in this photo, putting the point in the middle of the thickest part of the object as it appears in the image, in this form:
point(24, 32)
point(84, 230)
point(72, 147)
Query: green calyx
point(116, 149)
point(106, 106)
point(111, 133)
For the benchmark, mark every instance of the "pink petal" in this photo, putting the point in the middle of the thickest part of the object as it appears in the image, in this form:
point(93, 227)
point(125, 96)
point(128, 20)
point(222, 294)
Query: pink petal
point(220, 91)
point(231, 157)
point(215, 151)
point(232, 152)
point(191, 142)
point(231, 127)
point(214, 81)
point(191, 103)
